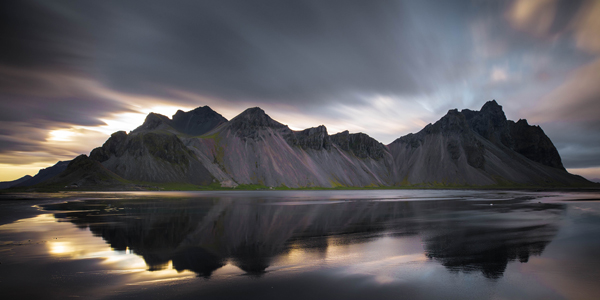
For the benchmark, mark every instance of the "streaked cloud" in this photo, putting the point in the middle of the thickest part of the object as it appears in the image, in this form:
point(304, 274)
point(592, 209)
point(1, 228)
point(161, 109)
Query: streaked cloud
point(73, 71)
point(535, 16)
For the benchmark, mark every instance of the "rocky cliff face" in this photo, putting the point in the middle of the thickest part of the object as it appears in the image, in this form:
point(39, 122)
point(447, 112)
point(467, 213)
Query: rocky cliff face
point(312, 138)
point(360, 144)
point(151, 154)
point(529, 141)
point(533, 143)
point(479, 148)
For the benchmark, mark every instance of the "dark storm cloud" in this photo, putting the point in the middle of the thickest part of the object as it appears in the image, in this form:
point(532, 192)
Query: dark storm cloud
point(577, 142)
point(35, 37)
point(266, 51)
point(35, 101)
point(75, 62)
point(26, 121)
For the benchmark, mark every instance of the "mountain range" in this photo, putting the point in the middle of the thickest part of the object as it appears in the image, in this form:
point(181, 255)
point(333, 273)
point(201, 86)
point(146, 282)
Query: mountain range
point(201, 147)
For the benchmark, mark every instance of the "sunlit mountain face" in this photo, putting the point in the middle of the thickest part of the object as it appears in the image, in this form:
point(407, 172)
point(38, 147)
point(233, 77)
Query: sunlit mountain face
point(71, 73)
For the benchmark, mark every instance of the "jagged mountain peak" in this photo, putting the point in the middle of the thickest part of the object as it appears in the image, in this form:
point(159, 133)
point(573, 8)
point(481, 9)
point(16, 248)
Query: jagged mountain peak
point(253, 111)
point(524, 122)
point(491, 106)
point(201, 110)
point(197, 121)
point(490, 122)
point(453, 121)
point(463, 147)
point(490, 109)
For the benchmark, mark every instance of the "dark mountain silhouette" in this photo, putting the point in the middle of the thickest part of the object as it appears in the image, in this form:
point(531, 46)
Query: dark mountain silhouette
point(7, 184)
point(85, 172)
point(197, 121)
point(529, 141)
point(463, 148)
point(480, 148)
point(45, 174)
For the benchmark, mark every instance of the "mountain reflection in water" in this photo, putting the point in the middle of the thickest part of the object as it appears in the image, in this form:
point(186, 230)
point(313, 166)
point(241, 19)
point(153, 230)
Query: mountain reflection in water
point(204, 234)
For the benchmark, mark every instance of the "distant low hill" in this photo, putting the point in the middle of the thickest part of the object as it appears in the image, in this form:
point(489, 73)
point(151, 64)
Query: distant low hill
point(7, 184)
point(45, 174)
point(200, 147)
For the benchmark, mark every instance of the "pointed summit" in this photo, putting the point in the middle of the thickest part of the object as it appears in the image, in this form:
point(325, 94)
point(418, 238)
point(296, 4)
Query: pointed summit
point(254, 118)
point(252, 121)
point(530, 141)
point(198, 121)
point(491, 106)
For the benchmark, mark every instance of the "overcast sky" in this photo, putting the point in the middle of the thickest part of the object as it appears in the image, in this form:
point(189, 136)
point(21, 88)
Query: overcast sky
point(73, 71)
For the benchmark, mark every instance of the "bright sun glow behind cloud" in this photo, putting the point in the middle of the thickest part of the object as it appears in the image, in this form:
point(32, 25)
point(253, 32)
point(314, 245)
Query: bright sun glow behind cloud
point(130, 120)
point(126, 121)
point(60, 135)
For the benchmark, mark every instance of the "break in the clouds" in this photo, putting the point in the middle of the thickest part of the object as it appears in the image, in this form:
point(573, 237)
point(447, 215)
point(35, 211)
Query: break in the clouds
point(385, 68)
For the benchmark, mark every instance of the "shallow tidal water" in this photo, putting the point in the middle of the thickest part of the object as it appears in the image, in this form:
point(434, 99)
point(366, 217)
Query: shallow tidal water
point(387, 244)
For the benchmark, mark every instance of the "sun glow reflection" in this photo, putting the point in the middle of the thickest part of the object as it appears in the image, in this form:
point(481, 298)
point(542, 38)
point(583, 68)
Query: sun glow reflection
point(64, 240)
point(60, 248)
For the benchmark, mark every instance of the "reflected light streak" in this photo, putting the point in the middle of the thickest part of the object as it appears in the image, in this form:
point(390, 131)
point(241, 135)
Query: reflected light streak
point(64, 240)
point(60, 248)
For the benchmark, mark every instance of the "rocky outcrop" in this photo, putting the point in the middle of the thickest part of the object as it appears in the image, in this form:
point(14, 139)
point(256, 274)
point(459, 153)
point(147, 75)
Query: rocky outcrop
point(154, 121)
point(312, 138)
point(533, 143)
point(360, 144)
point(115, 145)
point(490, 123)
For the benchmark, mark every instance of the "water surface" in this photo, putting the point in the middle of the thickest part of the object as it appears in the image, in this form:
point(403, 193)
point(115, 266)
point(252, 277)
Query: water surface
point(301, 245)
